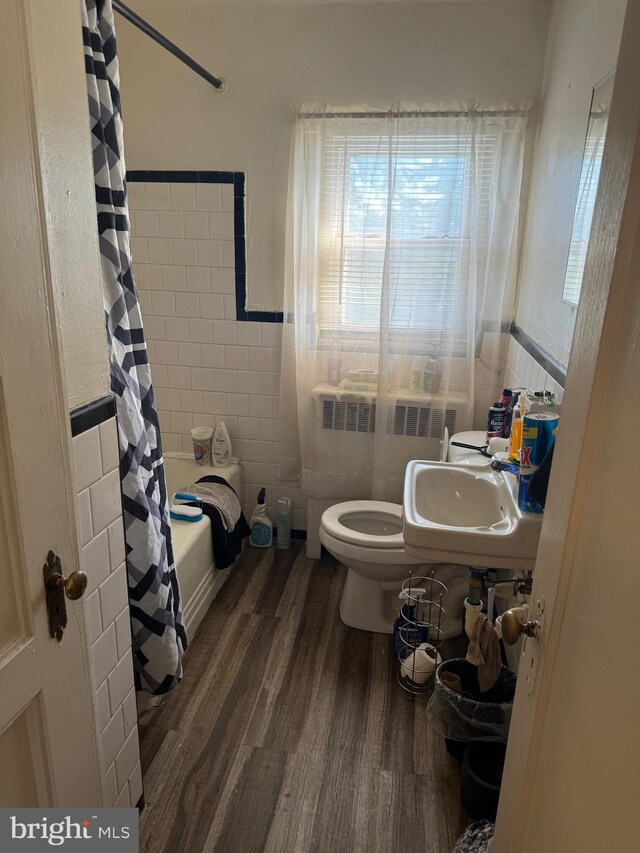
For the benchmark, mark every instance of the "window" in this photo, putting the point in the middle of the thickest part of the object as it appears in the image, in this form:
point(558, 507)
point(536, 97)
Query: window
point(589, 179)
point(398, 203)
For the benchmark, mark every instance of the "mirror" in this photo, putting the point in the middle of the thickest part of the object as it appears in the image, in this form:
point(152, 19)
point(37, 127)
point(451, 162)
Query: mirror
point(588, 186)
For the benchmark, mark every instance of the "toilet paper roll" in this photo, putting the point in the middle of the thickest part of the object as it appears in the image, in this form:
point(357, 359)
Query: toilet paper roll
point(420, 665)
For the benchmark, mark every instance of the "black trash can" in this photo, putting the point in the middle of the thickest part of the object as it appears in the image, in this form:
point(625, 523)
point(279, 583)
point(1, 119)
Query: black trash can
point(481, 778)
point(471, 716)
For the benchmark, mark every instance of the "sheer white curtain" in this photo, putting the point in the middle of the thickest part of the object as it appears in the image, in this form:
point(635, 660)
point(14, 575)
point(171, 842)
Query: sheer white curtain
point(400, 274)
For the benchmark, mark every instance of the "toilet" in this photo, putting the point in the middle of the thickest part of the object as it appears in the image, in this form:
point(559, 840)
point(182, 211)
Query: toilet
point(366, 537)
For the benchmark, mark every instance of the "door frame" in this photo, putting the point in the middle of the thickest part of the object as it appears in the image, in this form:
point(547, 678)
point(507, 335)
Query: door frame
point(608, 274)
point(52, 682)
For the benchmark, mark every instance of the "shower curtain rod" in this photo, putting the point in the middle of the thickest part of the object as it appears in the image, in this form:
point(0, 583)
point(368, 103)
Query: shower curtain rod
point(164, 42)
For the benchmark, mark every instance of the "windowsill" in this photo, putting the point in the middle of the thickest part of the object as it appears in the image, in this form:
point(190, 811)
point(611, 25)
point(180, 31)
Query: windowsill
point(402, 395)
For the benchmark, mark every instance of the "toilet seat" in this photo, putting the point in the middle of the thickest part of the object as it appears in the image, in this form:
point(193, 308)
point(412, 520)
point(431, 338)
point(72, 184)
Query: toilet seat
point(367, 538)
point(357, 523)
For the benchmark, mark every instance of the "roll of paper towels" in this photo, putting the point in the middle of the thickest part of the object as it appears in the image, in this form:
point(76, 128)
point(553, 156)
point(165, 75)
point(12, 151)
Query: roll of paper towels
point(420, 665)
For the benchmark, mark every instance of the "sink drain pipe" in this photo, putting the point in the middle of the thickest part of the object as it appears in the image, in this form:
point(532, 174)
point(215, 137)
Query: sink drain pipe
point(473, 603)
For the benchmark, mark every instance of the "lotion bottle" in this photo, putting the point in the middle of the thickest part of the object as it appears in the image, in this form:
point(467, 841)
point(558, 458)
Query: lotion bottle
point(221, 448)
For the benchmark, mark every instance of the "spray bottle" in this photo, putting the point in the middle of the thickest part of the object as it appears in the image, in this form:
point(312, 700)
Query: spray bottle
point(260, 524)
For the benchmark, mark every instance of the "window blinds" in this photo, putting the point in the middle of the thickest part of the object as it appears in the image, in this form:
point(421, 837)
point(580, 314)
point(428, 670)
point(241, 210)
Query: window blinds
point(396, 203)
point(589, 179)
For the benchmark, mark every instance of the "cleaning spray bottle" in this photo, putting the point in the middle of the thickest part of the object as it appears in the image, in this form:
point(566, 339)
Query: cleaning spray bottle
point(260, 524)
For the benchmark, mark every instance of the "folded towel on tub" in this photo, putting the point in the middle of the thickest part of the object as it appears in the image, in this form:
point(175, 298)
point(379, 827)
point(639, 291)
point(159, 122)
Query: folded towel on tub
point(220, 495)
point(229, 527)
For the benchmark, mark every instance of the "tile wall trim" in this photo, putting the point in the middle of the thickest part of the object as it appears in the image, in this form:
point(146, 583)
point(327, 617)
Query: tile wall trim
point(92, 414)
point(554, 368)
point(238, 181)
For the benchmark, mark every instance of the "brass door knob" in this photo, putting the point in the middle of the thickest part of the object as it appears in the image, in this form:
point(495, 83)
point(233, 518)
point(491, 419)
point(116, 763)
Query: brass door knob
point(74, 586)
point(513, 627)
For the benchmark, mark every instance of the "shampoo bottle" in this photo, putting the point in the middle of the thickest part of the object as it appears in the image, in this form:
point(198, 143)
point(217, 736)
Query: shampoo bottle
point(261, 525)
point(221, 450)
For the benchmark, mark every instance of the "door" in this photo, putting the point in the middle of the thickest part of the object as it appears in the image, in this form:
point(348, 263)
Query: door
point(48, 754)
point(572, 774)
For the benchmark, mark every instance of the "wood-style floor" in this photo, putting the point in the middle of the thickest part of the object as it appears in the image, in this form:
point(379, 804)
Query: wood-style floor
point(289, 732)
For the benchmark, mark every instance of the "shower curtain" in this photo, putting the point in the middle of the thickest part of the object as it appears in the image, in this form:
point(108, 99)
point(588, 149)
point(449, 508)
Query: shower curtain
point(158, 634)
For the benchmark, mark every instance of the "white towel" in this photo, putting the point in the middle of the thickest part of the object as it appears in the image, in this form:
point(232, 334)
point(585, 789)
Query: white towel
point(484, 652)
point(222, 497)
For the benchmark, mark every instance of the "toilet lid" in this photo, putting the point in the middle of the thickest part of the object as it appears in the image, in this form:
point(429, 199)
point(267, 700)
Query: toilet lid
point(376, 524)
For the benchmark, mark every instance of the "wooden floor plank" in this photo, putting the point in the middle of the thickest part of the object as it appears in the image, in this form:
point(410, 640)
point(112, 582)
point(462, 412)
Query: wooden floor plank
point(374, 810)
point(295, 590)
point(212, 745)
point(252, 804)
point(152, 737)
point(305, 670)
point(289, 732)
point(294, 814)
point(334, 825)
point(280, 564)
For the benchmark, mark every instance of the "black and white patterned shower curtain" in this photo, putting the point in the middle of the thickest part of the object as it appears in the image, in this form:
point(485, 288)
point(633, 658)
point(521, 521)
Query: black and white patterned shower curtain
point(158, 634)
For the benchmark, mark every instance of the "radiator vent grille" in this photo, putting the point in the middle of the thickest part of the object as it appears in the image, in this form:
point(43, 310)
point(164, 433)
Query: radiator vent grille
point(418, 421)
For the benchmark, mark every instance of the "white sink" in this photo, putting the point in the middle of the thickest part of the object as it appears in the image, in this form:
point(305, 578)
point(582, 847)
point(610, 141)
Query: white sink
point(460, 514)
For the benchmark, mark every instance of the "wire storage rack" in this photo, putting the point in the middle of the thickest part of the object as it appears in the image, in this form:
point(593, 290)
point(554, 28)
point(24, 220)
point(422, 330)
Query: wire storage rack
point(419, 633)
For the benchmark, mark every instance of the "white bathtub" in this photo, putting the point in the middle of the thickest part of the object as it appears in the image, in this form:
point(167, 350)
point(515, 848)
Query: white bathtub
point(192, 550)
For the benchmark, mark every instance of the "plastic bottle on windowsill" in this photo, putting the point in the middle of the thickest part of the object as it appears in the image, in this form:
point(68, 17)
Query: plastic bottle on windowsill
point(416, 376)
point(432, 372)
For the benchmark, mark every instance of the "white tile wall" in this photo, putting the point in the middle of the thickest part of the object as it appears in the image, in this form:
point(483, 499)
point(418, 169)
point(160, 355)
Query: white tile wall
point(523, 370)
point(107, 611)
point(206, 366)
point(518, 369)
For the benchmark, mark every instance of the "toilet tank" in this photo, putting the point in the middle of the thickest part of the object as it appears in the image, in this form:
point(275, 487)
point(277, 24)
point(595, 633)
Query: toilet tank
point(462, 455)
